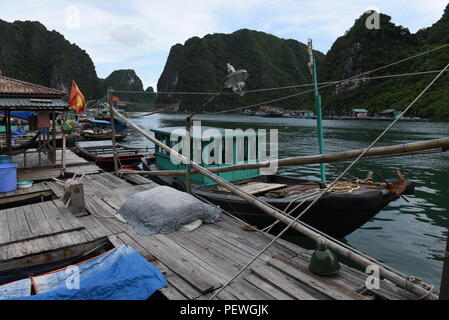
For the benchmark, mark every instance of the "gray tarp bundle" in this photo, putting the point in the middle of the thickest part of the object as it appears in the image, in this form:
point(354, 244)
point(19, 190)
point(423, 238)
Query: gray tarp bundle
point(165, 210)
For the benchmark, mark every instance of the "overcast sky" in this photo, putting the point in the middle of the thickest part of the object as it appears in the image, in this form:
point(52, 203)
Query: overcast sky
point(138, 34)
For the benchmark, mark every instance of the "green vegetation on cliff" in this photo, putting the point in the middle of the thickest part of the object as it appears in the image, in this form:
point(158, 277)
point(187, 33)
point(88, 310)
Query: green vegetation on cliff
point(200, 66)
point(361, 50)
point(29, 52)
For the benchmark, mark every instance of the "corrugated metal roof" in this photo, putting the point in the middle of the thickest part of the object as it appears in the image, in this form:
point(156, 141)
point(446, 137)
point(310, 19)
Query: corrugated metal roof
point(33, 104)
point(360, 110)
point(10, 86)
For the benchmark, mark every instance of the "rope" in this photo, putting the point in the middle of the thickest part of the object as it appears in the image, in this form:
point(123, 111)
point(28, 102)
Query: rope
point(417, 280)
point(332, 185)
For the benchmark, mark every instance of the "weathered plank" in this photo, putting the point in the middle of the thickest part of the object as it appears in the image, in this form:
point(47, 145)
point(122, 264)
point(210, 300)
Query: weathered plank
point(325, 285)
point(286, 284)
point(268, 288)
point(4, 227)
point(186, 265)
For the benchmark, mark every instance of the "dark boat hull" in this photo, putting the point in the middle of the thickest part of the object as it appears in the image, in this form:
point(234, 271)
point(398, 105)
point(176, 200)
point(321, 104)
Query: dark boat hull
point(128, 157)
point(102, 137)
point(337, 215)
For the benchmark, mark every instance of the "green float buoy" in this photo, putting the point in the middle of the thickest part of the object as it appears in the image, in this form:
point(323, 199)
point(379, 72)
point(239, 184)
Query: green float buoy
point(323, 261)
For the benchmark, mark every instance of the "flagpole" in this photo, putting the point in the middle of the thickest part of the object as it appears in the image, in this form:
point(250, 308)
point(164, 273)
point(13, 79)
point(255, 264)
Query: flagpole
point(114, 144)
point(319, 115)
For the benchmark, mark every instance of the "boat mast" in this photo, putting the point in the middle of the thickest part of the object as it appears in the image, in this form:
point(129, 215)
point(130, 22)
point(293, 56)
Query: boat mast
point(319, 116)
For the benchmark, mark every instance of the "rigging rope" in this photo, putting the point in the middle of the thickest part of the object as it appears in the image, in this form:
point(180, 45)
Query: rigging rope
point(330, 186)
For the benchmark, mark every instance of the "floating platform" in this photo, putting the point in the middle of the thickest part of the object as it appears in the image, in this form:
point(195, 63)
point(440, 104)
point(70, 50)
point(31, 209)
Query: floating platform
point(195, 264)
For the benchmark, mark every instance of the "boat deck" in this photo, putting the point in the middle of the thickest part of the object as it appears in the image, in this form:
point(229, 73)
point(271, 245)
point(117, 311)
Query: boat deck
point(195, 264)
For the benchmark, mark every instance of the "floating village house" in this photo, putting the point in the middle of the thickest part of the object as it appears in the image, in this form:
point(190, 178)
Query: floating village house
point(390, 113)
point(38, 104)
point(305, 113)
point(359, 113)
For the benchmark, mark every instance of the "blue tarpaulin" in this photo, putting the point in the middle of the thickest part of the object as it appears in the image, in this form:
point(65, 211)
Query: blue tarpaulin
point(20, 115)
point(119, 274)
point(97, 121)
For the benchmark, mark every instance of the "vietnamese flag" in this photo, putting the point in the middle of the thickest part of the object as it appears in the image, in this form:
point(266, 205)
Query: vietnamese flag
point(76, 100)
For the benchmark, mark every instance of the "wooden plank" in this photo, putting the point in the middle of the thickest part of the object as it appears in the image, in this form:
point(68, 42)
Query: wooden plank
point(95, 227)
point(23, 224)
point(14, 227)
point(67, 216)
point(54, 218)
point(186, 265)
point(256, 240)
point(266, 287)
point(256, 187)
point(125, 238)
point(228, 241)
point(4, 227)
point(57, 189)
point(243, 290)
point(172, 294)
point(216, 261)
point(325, 285)
point(286, 284)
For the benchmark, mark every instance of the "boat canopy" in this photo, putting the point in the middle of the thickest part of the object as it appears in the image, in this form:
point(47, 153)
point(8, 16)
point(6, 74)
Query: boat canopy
point(22, 116)
point(235, 147)
point(119, 274)
point(95, 121)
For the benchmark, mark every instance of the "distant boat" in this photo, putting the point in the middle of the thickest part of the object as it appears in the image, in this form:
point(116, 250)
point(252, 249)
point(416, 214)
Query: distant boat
point(101, 152)
point(273, 114)
point(98, 130)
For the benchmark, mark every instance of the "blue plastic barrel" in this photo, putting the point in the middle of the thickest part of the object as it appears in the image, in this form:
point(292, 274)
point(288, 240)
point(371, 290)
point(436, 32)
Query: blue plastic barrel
point(8, 177)
point(5, 159)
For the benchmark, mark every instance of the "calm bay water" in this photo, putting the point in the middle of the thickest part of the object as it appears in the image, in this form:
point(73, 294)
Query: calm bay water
point(410, 237)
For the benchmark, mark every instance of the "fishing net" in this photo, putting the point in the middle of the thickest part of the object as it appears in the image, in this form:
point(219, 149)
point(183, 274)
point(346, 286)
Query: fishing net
point(165, 210)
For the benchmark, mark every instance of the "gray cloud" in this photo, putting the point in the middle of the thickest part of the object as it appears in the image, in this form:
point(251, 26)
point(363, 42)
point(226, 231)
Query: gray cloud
point(129, 35)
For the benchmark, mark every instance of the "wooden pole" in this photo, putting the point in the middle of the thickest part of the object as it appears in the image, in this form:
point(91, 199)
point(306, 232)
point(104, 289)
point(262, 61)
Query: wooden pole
point(319, 114)
point(277, 214)
point(396, 150)
point(8, 131)
point(64, 146)
point(53, 156)
point(114, 143)
point(444, 289)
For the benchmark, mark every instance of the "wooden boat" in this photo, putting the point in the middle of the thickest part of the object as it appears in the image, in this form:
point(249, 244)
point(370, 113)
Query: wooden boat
point(101, 152)
point(98, 130)
point(23, 143)
point(101, 135)
point(346, 208)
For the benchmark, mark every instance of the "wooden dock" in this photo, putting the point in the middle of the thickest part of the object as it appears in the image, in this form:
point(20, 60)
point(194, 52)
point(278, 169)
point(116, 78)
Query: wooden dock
point(195, 264)
point(30, 167)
